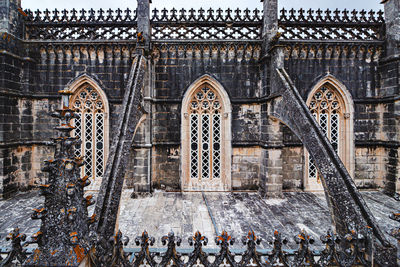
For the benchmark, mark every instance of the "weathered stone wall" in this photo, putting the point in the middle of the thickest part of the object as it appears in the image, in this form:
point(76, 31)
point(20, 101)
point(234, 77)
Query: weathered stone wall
point(271, 176)
point(175, 70)
point(389, 116)
point(235, 68)
point(26, 127)
point(395, 168)
point(165, 167)
point(166, 123)
point(30, 83)
point(11, 107)
point(166, 131)
point(265, 153)
point(389, 72)
point(10, 17)
point(372, 86)
point(376, 133)
point(246, 120)
point(246, 167)
point(293, 161)
point(375, 123)
point(137, 172)
point(55, 68)
point(377, 167)
point(22, 167)
point(354, 67)
point(274, 178)
point(108, 65)
point(293, 168)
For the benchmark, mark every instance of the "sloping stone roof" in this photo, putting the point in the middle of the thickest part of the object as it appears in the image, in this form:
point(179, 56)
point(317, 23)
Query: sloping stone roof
point(185, 213)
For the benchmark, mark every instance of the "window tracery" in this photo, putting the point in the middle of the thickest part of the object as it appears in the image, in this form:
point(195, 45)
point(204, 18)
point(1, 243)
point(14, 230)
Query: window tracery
point(90, 129)
point(326, 106)
point(205, 134)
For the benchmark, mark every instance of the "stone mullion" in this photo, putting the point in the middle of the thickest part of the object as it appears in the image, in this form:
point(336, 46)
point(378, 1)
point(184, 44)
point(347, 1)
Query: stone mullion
point(200, 144)
point(211, 143)
point(94, 143)
point(83, 141)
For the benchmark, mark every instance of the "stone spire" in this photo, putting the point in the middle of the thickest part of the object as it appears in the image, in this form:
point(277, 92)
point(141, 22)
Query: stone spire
point(143, 24)
point(392, 20)
point(63, 238)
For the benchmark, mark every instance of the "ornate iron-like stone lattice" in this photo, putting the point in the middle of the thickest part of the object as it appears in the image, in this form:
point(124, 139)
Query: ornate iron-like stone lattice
point(326, 107)
point(331, 25)
point(349, 250)
point(81, 25)
point(17, 251)
point(90, 129)
point(205, 134)
point(229, 25)
point(206, 25)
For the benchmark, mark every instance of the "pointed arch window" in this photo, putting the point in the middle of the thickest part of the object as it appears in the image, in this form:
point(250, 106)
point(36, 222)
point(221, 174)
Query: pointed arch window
point(90, 128)
point(205, 134)
point(325, 106)
point(206, 137)
point(331, 108)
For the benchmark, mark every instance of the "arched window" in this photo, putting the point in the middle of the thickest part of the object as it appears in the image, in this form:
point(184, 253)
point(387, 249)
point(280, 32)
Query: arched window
point(331, 108)
point(205, 134)
point(206, 138)
point(91, 126)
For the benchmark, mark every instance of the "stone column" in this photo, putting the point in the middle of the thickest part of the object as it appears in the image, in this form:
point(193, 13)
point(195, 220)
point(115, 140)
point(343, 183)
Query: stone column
point(392, 20)
point(272, 57)
point(270, 22)
point(143, 24)
point(389, 72)
point(143, 148)
point(271, 178)
point(11, 65)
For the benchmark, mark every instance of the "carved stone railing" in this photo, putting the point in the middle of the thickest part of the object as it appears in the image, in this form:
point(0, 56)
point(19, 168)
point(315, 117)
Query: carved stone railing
point(91, 15)
point(194, 25)
point(331, 25)
point(206, 24)
point(81, 25)
point(350, 250)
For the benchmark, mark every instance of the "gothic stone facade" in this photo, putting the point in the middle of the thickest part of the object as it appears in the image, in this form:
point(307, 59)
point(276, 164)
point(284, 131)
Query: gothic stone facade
point(207, 94)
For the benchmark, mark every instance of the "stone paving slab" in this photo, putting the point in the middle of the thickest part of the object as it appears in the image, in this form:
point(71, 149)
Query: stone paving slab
point(16, 212)
point(182, 213)
point(185, 213)
point(239, 213)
